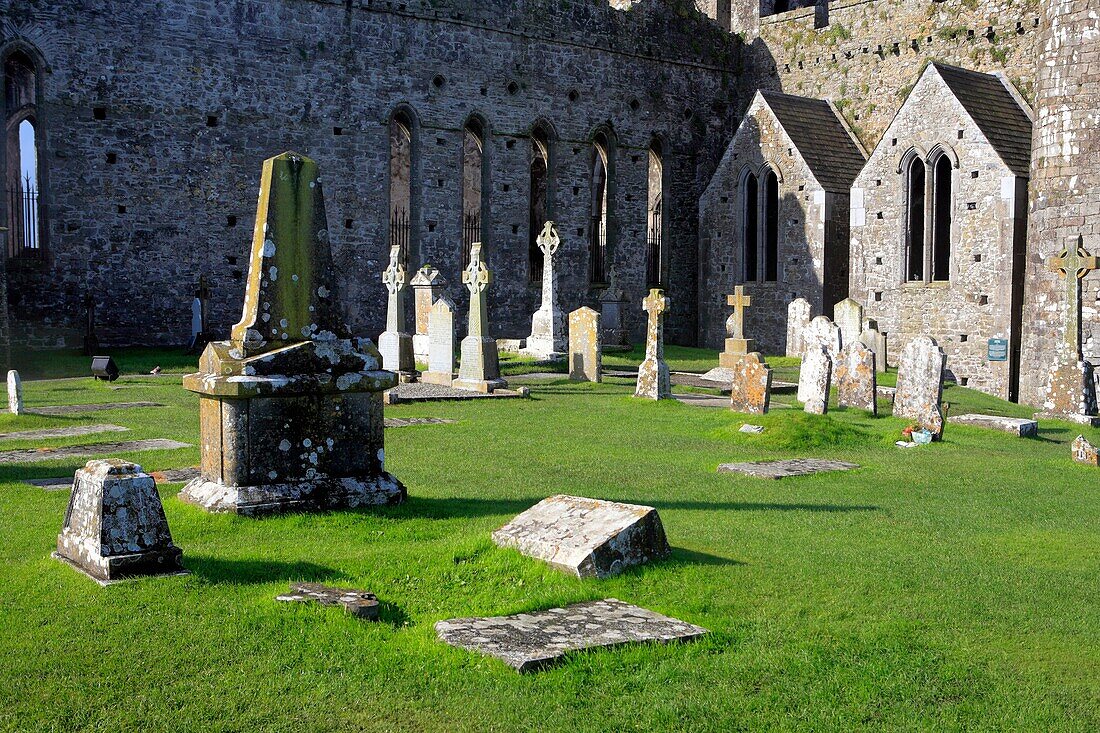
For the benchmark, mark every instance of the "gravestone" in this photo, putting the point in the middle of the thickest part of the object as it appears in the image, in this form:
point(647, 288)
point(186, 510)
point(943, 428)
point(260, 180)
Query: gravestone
point(15, 393)
point(920, 384)
point(612, 304)
point(1018, 426)
point(856, 383)
point(737, 345)
point(799, 312)
point(814, 379)
point(90, 450)
point(395, 343)
point(356, 602)
point(874, 340)
point(750, 388)
point(786, 468)
point(479, 369)
point(654, 381)
point(428, 286)
point(115, 526)
point(585, 354)
point(848, 316)
point(200, 332)
point(588, 538)
point(548, 339)
point(1085, 452)
point(823, 332)
point(290, 409)
point(441, 343)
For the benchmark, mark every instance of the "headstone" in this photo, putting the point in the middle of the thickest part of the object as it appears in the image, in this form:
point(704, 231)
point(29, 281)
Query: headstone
point(479, 369)
point(737, 345)
point(585, 354)
point(1085, 452)
point(356, 602)
point(654, 382)
point(15, 393)
point(547, 339)
point(588, 538)
point(528, 642)
point(848, 316)
point(395, 343)
point(1018, 426)
point(428, 286)
point(856, 383)
point(612, 303)
point(799, 312)
point(750, 389)
point(920, 384)
point(875, 340)
point(200, 332)
point(814, 379)
point(115, 526)
point(786, 468)
point(441, 343)
point(823, 332)
point(290, 409)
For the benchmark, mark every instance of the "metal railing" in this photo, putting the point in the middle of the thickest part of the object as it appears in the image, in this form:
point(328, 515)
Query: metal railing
point(597, 251)
point(401, 233)
point(23, 221)
point(653, 249)
point(471, 233)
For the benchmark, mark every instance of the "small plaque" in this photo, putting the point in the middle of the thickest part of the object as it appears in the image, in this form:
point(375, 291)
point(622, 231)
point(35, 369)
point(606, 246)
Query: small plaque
point(998, 349)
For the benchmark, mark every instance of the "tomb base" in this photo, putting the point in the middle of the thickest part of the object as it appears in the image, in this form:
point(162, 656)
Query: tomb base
point(443, 378)
point(298, 496)
point(486, 386)
point(480, 367)
point(735, 349)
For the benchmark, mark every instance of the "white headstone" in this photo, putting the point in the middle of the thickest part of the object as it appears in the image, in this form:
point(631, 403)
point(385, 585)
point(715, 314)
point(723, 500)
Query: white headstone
point(848, 316)
point(920, 384)
point(548, 339)
point(395, 343)
point(823, 332)
point(798, 320)
point(814, 379)
point(441, 343)
point(15, 393)
point(196, 319)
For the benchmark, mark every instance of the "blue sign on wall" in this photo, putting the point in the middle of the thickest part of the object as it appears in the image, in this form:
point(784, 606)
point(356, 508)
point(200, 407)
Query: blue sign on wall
point(998, 349)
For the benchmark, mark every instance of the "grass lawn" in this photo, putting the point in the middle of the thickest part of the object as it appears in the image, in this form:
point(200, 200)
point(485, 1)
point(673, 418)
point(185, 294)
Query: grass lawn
point(949, 587)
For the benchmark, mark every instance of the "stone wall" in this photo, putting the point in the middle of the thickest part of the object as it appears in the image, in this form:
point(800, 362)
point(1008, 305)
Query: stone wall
point(154, 151)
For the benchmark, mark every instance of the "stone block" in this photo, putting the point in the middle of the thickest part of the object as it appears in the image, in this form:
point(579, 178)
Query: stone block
point(357, 603)
point(585, 354)
point(15, 393)
point(750, 385)
point(1085, 452)
point(855, 378)
point(1018, 426)
point(920, 384)
point(786, 468)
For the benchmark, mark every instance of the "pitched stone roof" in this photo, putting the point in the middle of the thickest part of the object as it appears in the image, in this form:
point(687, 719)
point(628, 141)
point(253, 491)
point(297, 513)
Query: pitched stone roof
point(995, 111)
point(821, 138)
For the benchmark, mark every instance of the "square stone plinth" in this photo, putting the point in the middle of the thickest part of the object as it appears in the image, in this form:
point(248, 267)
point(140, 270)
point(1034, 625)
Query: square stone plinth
point(784, 469)
point(530, 641)
point(1018, 426)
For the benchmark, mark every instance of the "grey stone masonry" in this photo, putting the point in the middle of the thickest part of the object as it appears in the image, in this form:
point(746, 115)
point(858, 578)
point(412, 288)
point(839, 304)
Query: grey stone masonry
point(528, 642)
point(115, 526)
point(356, 602)
point(588, 538)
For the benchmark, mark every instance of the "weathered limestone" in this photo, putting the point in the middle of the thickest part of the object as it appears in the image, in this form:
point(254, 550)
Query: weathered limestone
point(37, 455)
point(814, 379)
point(547, 340)
point(428, 286)
point(528, 642)
point(856, 384)
point(786, 468)
point(1085, 452)
point(585, 354)
point(357, 603)
point(875, 340)
point(799, 312)
point(920, 384)
point(750, 389)
point(737, 345)
point(479, 369)
point(654, 381)
point(73, 431)
point(15, 393)
point(823, 332)
point(96, 407)
point(441, 343)
point(588, 538)
point(848, 316)
point(115, 526)
point(395, 343)
point(612, 303)
point(290, 409)
point(1018, 426)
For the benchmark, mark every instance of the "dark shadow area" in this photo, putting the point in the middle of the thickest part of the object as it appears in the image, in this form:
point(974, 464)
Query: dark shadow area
point(394, 615)
point(222, 571)
point(681, 556)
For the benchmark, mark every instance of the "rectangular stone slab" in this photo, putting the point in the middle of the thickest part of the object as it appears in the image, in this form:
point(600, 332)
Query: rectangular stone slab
point(76, 409)
point(784, 469)
point(74, 431)
point(64, 483)
point(1018, 426)
point(587, 537)
point(357, 603)
point(36, 455)
point(530, 641)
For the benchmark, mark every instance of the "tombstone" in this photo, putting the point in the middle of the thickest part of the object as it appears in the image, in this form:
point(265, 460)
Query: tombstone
point(115, 526)
point(585, 355)
point(654, 380)
point(200, 333)
point(1085, 452)
point(874, 340)
point(548, 340)
point(290, 408)
point(441, 343)
point(848, 316)
point(588, 538)
point(395, 343)
point(814, 379)
point(15, 393)
point(91, 341)
point(856, 383)
point(750, 388)
point(737, 345)
point(1071, 389)
point(479, 369)
point(358, 603)
point(823, 332)
point(428, 286)
point(799, 312)
point(612, 305)
point(920, 384)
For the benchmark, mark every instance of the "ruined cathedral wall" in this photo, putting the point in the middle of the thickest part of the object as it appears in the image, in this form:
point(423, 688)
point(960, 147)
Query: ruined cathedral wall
point(157, 117)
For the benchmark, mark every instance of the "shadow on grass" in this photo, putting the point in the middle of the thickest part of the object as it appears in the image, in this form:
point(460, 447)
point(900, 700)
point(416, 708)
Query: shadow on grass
point(680, 556)
point(222, 571)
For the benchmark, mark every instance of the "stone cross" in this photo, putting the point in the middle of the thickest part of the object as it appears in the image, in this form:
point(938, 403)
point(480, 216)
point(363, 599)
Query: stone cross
point(548, 338)
point(395, 279)
point(476, 278)
point(656, 305)
point(735, 324)
point(15, 393)
point(653, 374)
point(1074, 263)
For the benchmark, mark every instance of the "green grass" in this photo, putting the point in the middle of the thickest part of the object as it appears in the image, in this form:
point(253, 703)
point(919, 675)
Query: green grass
point(949, 587)
point(62, 363)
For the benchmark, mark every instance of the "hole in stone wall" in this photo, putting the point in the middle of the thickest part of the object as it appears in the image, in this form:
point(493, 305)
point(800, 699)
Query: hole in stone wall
point(576, 190)
point(580, 231)
point(510, 144)
point(506, 188)
point(878, 260)
point(878, 181)
point(230, 260)
point(977, 258)
point(688, 113)
point(431, 226)
point(973, 174)
point(894, 142)
point(573, 95)
point(438, 81)
point(112, 158)
point(635, 105)
point(963, 381)
point(515, 229)
point(237, 275)
point(971, 205)
point(960, 134)
point(878, 215)
point(513, 87)
point(99, 113)
point(211, 120)
point(983, 300)
point(439, 182)
point(231, 220)
point(878, 296)
point(121, 209)
point(337, 131)
point(440, 141)
point(484, 91)
point(725, 199)
point(963, 338)
point(348, 223)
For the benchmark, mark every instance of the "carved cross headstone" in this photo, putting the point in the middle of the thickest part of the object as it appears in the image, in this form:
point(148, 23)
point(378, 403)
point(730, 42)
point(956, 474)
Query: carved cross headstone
point(395, 278)
point(479, 369)
point(654, 381)
point(735, 324)
point(548, 339)
point(1074, 263)
point(476, 278)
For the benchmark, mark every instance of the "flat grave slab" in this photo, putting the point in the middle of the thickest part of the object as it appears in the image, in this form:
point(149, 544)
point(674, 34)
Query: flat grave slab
point(702, 400)
point(36, 455)
point(356, 602)
point(97, 407)
point(1018, 426)
point(74, 431)
point(424, 392)
point(541, 375)
point(786, 468)
point(405, 422)
point(587, 537)
point(528, 642)
point(64, 483)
